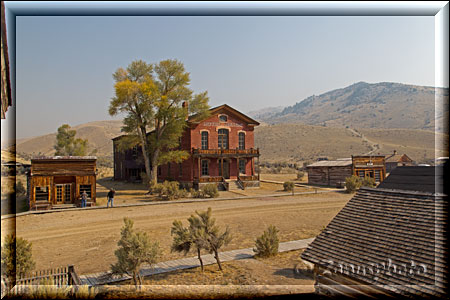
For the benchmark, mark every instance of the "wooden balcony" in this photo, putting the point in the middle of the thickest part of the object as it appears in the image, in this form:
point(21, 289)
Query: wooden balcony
point(225, 152)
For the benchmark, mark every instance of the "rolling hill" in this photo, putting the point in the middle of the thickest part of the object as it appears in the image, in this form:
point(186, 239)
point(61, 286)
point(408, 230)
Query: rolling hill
point(363, 105)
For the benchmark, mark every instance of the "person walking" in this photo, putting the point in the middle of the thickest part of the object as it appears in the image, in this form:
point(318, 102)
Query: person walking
point(83, 199)
point(110, 197)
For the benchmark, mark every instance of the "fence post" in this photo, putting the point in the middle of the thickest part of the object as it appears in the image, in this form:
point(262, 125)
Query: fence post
point(70, 270)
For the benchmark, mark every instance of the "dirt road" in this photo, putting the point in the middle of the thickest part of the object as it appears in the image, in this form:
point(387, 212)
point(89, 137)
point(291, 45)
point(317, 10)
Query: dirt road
point(87, 239)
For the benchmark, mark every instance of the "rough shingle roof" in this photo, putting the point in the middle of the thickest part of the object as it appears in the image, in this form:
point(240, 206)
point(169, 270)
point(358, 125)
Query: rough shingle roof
point(378, 227)
point(412, 178)
point(331, 163)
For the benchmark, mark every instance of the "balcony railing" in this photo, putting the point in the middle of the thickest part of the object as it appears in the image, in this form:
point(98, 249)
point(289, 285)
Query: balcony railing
point(225, 152)
point(209, 179)
point(248, 177)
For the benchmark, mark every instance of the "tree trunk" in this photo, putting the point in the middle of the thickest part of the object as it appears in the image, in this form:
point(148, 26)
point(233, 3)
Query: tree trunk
point(143, 137)
point(200, 258)
point(154, 168)
point(135, 278)
point(216, 254)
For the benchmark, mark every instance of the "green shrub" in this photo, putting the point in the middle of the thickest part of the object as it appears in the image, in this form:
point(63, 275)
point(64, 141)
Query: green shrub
point(300, 175)
point(267, 244)
point(288, 186)
point(196, 194)
point(17, 257)
point(352, 183)
point(368, 181)
point(210, 190)
point(169, 190)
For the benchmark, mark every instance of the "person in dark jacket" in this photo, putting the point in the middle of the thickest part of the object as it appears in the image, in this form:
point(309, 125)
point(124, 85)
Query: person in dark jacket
point(110, 197)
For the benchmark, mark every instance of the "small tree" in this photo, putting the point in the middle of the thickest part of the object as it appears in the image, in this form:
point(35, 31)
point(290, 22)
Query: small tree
point(66, 144)
point(208, 233)
point(352, 183)
point(268, 243)
point(17, 257)
point(184, 239)
point(135, 248)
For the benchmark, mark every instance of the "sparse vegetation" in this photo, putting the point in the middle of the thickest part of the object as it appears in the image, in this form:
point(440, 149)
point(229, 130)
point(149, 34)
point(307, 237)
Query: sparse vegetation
point(300, 175)
point(288, 186)
point(20, 188)
point(368, 182)
point(267, 244)
point(169, 190)
point(352, 183)
point(17, 257)
point(210, 190)
point(135, 248)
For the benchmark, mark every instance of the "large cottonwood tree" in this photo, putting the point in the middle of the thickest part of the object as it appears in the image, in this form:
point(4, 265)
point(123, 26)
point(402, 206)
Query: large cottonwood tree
point(151, 96)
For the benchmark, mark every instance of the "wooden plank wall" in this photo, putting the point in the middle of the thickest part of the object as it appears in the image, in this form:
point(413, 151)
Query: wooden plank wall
point(328, 175)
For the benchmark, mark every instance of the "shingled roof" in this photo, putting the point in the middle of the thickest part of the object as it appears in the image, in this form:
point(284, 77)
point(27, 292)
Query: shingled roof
point(412, 178)
point(379, 227)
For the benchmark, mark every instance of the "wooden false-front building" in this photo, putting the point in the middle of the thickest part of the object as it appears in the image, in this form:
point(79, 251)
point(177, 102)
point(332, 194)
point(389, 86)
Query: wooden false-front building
point(59, 181)
point(221, 148)
point(372, 166)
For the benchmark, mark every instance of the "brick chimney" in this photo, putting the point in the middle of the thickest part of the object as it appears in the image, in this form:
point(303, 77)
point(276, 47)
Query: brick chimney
point(185, 105)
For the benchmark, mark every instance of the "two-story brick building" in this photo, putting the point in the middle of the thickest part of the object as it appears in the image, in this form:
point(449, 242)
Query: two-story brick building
point(221, 151)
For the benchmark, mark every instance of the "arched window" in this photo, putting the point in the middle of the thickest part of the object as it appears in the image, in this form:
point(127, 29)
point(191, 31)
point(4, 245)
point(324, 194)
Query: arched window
point(223, 138)
point(204, 140)
point(223, 118)
point(241, 140)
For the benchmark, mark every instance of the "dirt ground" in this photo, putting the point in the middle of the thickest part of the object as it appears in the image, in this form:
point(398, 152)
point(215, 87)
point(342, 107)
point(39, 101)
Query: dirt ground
point(286, 268)
point(87, 238)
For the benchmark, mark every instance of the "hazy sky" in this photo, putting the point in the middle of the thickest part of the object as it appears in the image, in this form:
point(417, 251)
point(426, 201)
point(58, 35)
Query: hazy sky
point(64, 64)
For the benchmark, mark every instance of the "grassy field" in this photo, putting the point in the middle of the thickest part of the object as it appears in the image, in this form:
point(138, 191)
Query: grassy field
point(88, 238)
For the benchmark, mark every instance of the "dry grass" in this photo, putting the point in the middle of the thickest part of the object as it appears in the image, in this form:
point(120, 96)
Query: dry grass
point(286, 268)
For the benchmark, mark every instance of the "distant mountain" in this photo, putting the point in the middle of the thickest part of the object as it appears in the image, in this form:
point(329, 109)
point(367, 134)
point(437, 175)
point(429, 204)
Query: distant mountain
point(365, 105)
point(265, 113)
point(98, 134)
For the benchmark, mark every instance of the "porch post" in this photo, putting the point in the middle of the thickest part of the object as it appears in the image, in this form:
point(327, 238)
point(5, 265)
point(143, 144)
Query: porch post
point(252, 164)
point(198, 163)
point(221, 167)
point(237, 166)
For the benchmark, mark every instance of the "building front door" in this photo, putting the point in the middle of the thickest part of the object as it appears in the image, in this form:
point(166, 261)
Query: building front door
point(63, 193)
point(224, 168)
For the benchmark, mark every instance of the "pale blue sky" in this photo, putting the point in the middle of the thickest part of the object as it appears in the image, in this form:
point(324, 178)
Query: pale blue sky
point(64, 64)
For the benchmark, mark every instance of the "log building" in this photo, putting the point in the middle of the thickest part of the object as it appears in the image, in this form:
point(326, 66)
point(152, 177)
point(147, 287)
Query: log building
point(221, 148)
point(329, 172)
point(59, 181)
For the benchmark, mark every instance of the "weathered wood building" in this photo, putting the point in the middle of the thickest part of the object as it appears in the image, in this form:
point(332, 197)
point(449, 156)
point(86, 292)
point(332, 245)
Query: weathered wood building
point(384, 242)
point(59, 181)
point(329, 172)
point(369, 166)
point(221, 151)
point(334, 172)
point(394, 160)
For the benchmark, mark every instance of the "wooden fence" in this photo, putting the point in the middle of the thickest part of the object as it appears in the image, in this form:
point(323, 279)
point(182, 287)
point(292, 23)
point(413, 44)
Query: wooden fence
point(59, 277)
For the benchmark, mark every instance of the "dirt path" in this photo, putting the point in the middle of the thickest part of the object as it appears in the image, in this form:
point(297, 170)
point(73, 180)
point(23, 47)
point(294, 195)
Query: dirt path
point(87, 239)
point(374, 147)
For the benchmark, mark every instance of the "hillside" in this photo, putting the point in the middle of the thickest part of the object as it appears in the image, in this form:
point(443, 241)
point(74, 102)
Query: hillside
point(298, 142)
point(98, 134)
point(364, 105)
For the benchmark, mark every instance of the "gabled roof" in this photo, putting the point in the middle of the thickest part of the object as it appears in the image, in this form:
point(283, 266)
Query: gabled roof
point(397, 158)
point(380, 227)
point(228, 108)
point(415, 178)
point(192, 119)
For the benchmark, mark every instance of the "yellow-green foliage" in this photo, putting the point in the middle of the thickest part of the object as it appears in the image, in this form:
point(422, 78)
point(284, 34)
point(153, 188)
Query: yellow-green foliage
point(17, 257)
point(267, 244)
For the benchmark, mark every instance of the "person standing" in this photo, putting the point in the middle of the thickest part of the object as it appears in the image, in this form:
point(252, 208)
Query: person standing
point(83, 199)
point(110, 197)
